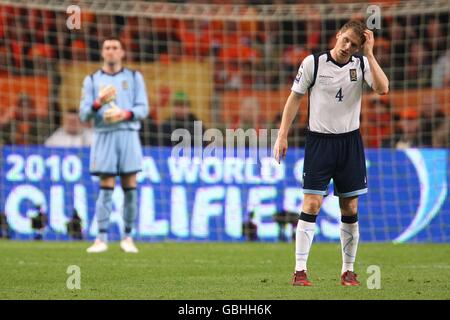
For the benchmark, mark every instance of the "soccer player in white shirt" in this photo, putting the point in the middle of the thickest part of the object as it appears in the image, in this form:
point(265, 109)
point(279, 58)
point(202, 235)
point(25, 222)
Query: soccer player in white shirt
point(334, 148)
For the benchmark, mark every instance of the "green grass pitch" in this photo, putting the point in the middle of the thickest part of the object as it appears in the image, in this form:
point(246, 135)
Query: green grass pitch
point(37, 270)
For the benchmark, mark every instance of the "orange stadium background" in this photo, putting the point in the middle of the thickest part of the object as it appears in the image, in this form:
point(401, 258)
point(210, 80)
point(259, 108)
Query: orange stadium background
point(221, 56)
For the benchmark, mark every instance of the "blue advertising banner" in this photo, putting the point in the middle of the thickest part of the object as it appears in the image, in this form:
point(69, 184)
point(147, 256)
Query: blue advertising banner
point(209, 198)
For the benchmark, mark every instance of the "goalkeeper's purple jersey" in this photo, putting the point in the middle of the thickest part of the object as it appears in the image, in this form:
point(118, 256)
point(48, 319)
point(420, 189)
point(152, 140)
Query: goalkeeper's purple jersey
point(131, 95)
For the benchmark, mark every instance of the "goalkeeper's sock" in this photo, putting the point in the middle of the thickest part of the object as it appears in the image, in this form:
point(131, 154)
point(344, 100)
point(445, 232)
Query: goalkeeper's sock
point(103, 208)
point(349, 241)
point(304, 235)
point(129, 210)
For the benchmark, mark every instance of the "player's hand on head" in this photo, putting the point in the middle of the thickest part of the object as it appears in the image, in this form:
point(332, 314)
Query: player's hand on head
point(113, 114)
point(370, 40)
point(107, 94)
point(280, 148)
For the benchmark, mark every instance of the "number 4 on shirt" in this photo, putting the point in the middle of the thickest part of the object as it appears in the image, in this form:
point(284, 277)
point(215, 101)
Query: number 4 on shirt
point(339, 95)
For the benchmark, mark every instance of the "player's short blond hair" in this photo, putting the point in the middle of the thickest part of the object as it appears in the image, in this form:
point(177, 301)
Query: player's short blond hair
point(358, 28)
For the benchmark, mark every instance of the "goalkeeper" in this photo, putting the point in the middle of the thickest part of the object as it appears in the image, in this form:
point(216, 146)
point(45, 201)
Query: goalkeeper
point(115, 97)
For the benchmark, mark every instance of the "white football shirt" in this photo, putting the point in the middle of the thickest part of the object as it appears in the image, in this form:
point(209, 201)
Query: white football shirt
point(335, 97)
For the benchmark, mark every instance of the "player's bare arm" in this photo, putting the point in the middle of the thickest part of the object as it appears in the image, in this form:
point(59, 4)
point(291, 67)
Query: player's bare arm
point(289, 112)
point(380, 81)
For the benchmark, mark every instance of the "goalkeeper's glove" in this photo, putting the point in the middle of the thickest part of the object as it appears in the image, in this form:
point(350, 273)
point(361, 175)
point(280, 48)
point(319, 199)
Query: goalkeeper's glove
point(106, 95)
point(115, 114)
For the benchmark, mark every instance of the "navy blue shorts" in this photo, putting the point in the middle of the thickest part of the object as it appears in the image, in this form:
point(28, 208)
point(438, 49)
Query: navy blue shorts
point(334, 156)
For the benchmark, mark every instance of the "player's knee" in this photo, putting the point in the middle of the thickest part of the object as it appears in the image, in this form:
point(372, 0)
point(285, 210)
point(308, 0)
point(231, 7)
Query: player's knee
point(107, 181)
point(312, 205)
point(128, 181)
point(349, 208)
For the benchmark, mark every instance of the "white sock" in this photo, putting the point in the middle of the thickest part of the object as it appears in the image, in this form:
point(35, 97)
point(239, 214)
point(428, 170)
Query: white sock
point(349, 244)
point(303, 240)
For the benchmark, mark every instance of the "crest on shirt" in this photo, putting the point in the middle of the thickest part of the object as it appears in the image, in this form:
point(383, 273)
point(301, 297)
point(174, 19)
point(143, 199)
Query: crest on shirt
point(353, 76)
point(124, 85)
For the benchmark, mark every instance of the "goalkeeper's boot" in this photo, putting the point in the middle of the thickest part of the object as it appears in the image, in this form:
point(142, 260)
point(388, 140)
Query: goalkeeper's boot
point(348, 278)
point(127, 245)
point(97, 247)
point(300, 279)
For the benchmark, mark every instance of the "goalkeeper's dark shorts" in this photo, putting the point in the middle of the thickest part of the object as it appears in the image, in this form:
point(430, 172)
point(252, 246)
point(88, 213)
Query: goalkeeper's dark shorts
point(334, 156)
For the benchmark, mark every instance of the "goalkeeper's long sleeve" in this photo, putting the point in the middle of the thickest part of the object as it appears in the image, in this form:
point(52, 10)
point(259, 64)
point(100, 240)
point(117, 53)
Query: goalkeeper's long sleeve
point(87, 100)
point(140, 106)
